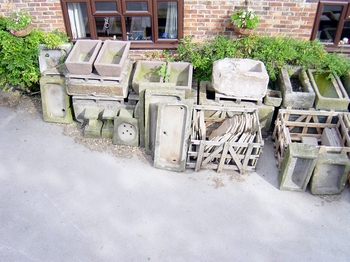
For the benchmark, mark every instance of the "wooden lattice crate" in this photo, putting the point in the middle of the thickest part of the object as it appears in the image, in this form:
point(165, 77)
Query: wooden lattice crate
point(224, 138)
point(292, 126)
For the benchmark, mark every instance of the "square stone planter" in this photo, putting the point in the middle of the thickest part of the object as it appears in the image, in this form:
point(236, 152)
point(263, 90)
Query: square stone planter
point(302, 98)
point(49, 59)
point(330, 93)
point(273, 98)
point(81, 58)
point(240, 78)
point(181, 74)
point(112, 57)
point(146, 72)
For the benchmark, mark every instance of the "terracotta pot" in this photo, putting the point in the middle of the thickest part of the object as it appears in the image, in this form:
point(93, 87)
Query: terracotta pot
point(24, 32)
point(243, 31)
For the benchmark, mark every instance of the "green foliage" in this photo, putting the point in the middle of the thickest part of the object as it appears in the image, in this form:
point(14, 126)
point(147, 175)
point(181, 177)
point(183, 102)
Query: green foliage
point(163, 72)
point(245, 18)
point(19, 65)
point(274, 52)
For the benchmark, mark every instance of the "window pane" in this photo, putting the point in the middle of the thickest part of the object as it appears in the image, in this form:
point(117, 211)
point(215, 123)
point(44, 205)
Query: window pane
point(138, 28)
point(106, 6)
point(167, 20)
point(108, 26)
point(329, 22)
point(345, 35)
point(78, 20)
point(136, 6)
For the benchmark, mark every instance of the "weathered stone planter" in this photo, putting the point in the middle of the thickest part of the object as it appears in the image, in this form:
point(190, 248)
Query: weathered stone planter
point(146, 72)
point(240, 78)
point(49, 59)
point(181, 74)
point(112, 57)
point(303, 98)
point(81, 58)
point(330, 93)
point(273, 98)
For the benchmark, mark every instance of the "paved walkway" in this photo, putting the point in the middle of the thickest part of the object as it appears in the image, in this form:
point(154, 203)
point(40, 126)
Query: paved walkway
point(60, 201)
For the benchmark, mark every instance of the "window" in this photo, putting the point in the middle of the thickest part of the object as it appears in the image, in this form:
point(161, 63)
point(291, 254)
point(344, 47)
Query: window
point(332, 25)
point(146, 23)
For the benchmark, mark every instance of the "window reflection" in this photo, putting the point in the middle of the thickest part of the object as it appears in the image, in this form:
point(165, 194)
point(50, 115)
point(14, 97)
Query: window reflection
point(78, 20)
point(167, 20)
point(106, 6)
point(329, 23)
point(138, 28)
point(108, 27)
point(136, 6)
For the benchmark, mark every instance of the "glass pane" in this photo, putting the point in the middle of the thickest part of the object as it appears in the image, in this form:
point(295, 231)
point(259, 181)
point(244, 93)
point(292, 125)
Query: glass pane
point(136, 6)
point(78, 20)
point(167, 20)
point(329, 21)
point(345, 35)
point(106, 6)
point(138, 28)
point(108, 27)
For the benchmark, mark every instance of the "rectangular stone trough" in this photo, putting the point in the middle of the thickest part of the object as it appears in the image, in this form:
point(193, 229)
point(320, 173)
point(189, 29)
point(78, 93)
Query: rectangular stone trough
point(181, 74)
point(330, 93)
point(112, 57)
point(81, 58)
point(303, 98)
point(146, 72)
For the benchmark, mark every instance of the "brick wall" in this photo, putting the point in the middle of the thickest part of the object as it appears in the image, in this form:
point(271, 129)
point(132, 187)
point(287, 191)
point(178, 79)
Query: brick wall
point(47, 14)
point(202, 18)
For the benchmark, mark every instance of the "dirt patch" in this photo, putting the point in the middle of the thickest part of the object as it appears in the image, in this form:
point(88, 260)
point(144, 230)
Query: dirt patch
point(296, 85)
point(15, 100)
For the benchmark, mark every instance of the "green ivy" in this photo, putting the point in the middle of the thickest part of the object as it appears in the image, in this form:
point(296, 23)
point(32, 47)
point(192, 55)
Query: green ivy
point(274, 52)
point(19, 65)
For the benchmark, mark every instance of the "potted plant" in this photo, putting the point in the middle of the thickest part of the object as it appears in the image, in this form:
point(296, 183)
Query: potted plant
point(244, 21)
point(19, 24)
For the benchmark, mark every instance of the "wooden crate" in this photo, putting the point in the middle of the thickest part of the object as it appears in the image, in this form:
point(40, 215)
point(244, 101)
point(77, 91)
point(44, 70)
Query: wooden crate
point(238, 149)
point(293, 125)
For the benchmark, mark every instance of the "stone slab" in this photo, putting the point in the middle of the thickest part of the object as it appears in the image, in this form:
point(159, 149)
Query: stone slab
point(93, 128)
point(172, 135)
point(55, 101)
point(126, 131)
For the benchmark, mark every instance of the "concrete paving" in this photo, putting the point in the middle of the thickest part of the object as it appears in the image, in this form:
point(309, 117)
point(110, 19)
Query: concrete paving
point(60, 201)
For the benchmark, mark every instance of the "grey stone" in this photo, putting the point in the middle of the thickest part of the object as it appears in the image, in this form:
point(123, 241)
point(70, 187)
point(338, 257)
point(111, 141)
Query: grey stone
point(126, 131)
point(181, 73)
point(330, 137)
point(49, 59)
point(309, 140)
point(241, 78)
point(273, 98)
point(93, 128)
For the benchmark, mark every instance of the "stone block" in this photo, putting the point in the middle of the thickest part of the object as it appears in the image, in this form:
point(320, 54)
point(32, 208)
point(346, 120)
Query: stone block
point(80, 60)
point(330, 92)
point(55, 101)
point(172, 135)
point(93, 125)
point(309, 140)
point(112, 57)
point(146, 72)
point(303, 98)
point(108, 126)
point(330, 174)
point(242, 78)
point(330, 137)
point(126, 131)
point(297, 166)
point(95, 85)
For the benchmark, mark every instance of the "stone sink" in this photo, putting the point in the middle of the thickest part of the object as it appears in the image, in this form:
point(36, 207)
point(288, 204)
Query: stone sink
point(240, 78)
